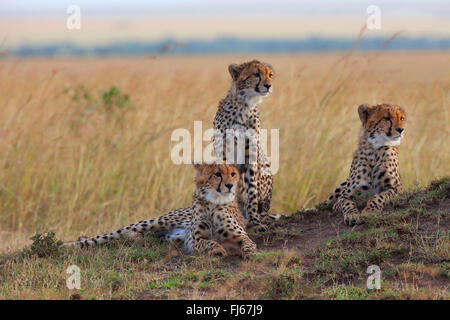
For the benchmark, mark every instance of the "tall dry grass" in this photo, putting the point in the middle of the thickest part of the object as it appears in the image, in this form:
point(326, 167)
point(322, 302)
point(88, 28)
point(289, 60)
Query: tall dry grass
point(71, 163)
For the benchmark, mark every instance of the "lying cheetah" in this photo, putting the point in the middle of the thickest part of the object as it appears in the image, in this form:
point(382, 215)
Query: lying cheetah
point(238, 111)
point(212, 224)
point(374, 168)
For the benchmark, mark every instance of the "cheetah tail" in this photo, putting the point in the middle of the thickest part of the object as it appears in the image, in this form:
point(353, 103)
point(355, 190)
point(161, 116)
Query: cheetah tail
point(130, 231)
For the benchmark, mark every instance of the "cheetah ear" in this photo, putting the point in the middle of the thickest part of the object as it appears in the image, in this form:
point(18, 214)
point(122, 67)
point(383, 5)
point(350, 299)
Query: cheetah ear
point(363, 111)
point(234, 70)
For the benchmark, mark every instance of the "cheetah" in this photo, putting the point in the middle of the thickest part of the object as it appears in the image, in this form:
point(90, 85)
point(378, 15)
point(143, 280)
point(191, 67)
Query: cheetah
point(212, 224)
point(238, 112)
point(374, 169)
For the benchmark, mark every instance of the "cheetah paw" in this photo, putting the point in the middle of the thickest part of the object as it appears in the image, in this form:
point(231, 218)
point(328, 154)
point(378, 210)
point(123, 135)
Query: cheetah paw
point(257, 228)
point(218, 250)
point(351, 219)
point(247, 255)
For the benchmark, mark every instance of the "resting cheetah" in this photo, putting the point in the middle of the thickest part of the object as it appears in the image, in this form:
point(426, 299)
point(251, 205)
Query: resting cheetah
point(211, 224)
point(238, 112)
point(374, 168)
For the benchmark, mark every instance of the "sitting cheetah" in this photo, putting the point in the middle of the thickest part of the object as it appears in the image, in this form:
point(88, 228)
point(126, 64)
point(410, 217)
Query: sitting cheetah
point(374, 168)
point(211, 224)
point(238, 111)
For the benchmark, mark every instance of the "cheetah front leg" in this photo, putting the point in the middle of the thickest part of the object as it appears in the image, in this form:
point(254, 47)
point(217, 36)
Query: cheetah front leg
point(344, 204)
point(201, 238)
point(378, 201)
point(265, 195)
point(254, 218)
point(390, 184)
point(340, 201)
point(349, 210)
point(333, 197)
point(228, 230)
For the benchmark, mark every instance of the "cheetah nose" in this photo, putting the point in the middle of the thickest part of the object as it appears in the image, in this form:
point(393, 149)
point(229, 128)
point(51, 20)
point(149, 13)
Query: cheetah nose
point(267, 86)
point(229, 186)
point(400, 130)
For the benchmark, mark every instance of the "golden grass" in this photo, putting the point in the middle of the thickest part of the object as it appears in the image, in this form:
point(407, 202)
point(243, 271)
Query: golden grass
point(69, 165)
point(302, 256)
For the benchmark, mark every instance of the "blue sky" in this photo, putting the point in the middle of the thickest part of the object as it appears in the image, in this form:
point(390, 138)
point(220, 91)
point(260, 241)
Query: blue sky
point(412, 8)
point(44, 21)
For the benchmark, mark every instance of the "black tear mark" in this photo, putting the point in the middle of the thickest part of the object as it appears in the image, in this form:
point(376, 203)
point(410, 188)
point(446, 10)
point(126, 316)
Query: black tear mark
point(390, 128)
point(259, 81)
point(218, 188)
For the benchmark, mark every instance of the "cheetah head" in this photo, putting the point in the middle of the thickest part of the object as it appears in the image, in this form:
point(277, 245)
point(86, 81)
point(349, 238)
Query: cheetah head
point(216, 183)
point(252, 78)
point(383, 124)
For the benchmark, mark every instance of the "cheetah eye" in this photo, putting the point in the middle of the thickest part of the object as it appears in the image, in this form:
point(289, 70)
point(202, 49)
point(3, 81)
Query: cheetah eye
point(402, 119)
point(387, 118)
point(218, 174)
point(271, 75)
point(256, 74)
point(233, 174)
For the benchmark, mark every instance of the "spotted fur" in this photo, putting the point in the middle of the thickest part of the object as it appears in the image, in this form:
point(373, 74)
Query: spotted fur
point(374, 169)
point(219, 223)
point(212, 220)
point(251, 82)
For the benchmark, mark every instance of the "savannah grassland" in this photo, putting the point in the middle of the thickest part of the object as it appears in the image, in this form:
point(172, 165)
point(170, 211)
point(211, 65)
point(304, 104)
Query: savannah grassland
point(85, 148)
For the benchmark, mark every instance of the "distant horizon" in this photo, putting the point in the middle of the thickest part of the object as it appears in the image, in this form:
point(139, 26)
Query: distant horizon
point(224, 44)
point(28, 23)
